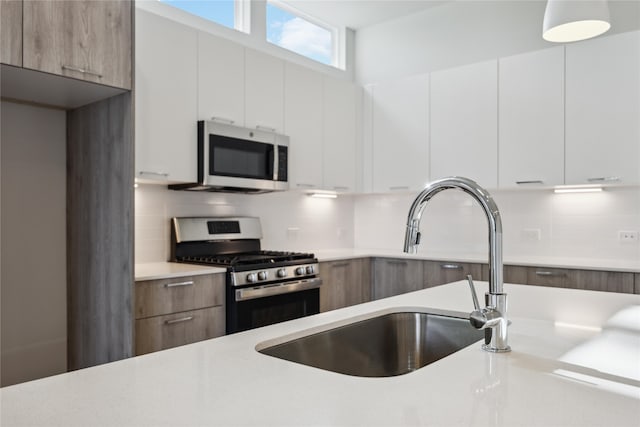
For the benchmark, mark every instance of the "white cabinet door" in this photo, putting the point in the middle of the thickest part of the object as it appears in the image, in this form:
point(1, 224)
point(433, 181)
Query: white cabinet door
point(464, 123)
point(220, 80)
point(303, 125)
point(531, 125)
point(166, 99)
point(264, 91)
point(339, 130)
point(603, 110)
point(400, 134)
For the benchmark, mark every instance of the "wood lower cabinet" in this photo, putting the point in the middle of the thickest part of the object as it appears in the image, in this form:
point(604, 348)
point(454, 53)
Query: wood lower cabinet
point(178, 311)
point(608, 281)
point(11, 32)
point(356, 281)
point(396, 276)
point(344, 283)
point(83, 39)
point(441, 272)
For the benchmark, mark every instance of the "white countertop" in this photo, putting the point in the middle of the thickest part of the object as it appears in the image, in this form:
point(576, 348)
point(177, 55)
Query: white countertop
point(161, 270)
point(548, 378)
point(166, 270)
point(551, 262)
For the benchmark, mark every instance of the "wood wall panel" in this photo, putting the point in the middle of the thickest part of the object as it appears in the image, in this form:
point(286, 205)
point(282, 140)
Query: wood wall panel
point(100, 232)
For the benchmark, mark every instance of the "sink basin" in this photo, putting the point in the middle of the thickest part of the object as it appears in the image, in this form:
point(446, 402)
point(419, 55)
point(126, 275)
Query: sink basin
point(382, 346)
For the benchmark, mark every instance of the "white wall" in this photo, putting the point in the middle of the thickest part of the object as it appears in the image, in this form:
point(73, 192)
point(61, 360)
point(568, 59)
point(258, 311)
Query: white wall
point(290, 221)
point(33, 256)
point(461, 32)
point(571, 225)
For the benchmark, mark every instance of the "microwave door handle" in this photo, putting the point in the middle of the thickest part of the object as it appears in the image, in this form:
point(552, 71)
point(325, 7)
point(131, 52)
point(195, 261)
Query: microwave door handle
point(203, 153)
point(273, 162)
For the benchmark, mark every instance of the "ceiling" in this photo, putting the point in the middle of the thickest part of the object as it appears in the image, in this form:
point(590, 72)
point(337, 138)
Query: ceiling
point(357, 14)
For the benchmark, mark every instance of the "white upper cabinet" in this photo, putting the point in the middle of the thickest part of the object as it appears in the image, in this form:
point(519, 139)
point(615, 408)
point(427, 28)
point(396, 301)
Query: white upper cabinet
point(339, 134)
point(220, 80)
point(400, 134)
point(303, 125)
point(166, 99)
point(264, 91)
point(603, 110)
point(531, 125)
point(464, 123)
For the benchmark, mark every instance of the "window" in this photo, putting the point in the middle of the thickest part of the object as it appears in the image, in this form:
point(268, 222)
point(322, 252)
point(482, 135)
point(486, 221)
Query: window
point(288, 29)
point(219, 11)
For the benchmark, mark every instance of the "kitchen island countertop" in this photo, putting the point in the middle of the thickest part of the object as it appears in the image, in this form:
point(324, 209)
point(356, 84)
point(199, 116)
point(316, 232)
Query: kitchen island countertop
point(563, 370)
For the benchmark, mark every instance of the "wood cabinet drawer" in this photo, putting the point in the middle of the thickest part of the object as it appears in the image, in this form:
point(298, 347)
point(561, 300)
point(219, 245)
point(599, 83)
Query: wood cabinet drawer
point(344, 283)
point(608, 281)
point(164, 296)
point(441, 272)
point(396, 276)
point(162, 332)
point(542, 276)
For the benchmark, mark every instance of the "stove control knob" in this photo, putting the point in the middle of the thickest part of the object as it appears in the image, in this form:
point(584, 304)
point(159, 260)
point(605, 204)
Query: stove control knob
point(282, 272)
point(263, 275)
point(300, 271)
point(310, 269)
point(252, 277)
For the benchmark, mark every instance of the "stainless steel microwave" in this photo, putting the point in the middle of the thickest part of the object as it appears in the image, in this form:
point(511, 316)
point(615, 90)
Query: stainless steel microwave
point(237, 159)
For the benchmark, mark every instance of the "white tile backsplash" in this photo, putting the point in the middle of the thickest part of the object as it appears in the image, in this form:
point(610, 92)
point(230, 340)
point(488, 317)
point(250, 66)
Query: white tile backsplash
point(290, 220)
point(570, 225)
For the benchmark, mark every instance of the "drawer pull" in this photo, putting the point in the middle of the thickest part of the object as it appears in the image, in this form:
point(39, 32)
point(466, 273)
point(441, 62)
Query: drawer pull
point(604, 179)
point(549, 273)
point(82, 70)
point(222, 119)
point(180, 320)
point(267, 128)
point(340, 188)
point(339, 264)
point(397, 262)
point(164, 174)
point(174, 285)
point(451, 266)
point(535, 181)
point(302, 185)
point(399, 188)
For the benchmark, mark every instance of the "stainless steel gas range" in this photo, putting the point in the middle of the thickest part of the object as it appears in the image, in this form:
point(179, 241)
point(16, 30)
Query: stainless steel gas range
point(263, 287)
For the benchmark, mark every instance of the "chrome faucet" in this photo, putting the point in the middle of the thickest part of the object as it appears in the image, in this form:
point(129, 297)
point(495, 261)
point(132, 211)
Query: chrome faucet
point(492, 318)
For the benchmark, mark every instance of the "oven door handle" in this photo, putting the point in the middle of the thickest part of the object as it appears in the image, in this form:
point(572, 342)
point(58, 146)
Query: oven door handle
point(277, 289)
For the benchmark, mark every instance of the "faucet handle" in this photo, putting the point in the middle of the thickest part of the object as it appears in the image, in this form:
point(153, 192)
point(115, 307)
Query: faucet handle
point(476, 304)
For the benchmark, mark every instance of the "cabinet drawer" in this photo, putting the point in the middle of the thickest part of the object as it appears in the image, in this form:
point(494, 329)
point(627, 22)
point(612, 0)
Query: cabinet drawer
point(164, 296)
point(162, 332)
point(441, 272)
point(345, 283)
point(396, 276)
point(608, 281)
point(543, 276)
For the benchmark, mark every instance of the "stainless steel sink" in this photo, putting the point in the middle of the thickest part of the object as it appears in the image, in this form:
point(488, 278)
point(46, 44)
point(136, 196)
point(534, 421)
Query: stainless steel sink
point(383, 346)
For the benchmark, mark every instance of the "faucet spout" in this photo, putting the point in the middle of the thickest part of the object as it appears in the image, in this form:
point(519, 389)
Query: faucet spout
point(496, 299)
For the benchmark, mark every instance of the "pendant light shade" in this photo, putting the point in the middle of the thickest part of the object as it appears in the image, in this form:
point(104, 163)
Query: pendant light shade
point(573, 20)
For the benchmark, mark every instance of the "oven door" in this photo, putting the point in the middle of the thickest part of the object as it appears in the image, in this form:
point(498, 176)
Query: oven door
point(253, 307)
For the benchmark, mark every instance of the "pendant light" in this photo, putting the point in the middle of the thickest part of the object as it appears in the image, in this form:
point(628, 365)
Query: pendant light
point(573, 20)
